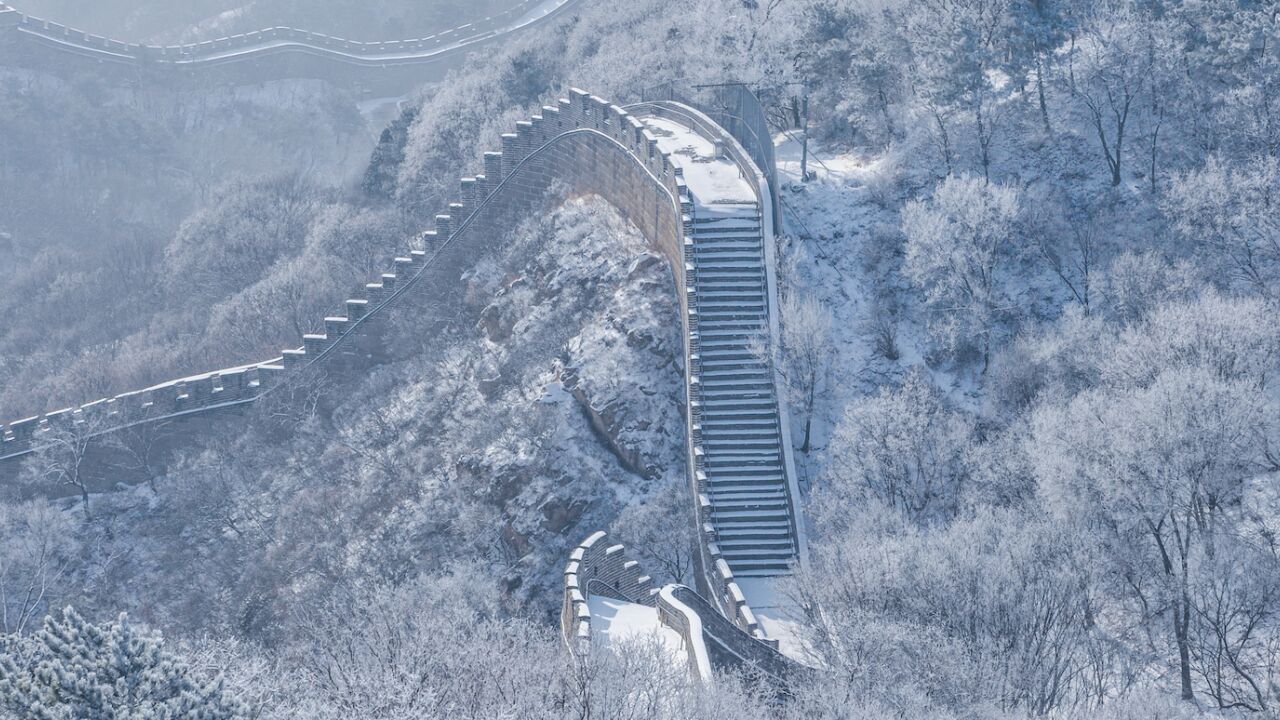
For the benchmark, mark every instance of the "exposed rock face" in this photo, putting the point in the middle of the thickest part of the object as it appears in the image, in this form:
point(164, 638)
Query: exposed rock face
point(581, 337)
point(572, 403)
point(560, 513)
point(635, 419)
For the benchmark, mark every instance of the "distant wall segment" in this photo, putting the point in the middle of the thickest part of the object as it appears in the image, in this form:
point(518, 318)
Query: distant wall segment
point(270, 53)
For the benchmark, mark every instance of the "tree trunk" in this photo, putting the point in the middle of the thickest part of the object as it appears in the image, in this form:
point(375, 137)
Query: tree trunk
point(944, 139)
point(1071, 65)
point(884, 111)
point(1121, 117)
point(808, 425)
point(1182, 617)
point(84, 497)
point(1044, 105)
point(984, 143)
point(1181, 621)
point(1155, 147)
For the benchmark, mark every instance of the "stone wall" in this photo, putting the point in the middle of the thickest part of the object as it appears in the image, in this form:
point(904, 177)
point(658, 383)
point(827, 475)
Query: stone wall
point(271, 53)
point(192, 395)
point(710, 640)
point(726, 645)
point(597, 567)
point(677, 615)
point(583, 144)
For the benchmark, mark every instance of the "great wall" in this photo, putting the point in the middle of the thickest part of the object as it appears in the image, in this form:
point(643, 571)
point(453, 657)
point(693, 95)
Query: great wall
point(274, 53)
point(742, 478)
point(707, 641)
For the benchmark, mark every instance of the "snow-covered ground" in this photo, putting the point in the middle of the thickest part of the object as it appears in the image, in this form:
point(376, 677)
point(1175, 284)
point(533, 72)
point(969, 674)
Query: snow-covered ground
point(829, 223)
point(778, 616)
point(715, 181)
point(618, 623)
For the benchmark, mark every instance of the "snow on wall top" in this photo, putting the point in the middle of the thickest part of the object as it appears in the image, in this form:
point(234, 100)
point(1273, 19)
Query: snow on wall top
point(260, 42)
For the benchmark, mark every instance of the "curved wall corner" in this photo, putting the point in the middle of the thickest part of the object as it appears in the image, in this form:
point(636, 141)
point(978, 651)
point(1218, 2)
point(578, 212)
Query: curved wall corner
point(597, 567)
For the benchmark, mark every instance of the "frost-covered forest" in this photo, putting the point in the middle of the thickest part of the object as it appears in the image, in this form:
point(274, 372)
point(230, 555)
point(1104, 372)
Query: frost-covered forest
point(1030, 290)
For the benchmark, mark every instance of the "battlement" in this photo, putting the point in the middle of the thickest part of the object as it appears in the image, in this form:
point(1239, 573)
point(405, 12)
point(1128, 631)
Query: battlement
point(583, 143)
point(597, 567)
point(536, 153)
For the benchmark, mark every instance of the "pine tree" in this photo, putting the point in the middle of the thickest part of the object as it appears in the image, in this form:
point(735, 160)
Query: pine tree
point(75, 670)
point(384, 163)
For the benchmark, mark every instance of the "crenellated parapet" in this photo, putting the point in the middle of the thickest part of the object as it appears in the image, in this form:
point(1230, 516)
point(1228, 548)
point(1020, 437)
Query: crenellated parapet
point(196, 394)
point(581, 143)
point(599, 567)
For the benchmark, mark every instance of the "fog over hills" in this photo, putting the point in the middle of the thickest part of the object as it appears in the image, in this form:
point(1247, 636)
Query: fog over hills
point(787, 359)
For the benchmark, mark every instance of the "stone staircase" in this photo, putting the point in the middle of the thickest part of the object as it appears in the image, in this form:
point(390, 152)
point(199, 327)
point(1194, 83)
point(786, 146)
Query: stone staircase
point(746, 482)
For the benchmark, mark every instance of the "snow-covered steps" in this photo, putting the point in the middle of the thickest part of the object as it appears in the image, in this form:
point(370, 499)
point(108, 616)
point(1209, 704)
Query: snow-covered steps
point(753, 504)
point(749, 480)
point(739, 458)
point(735, 443)
point(752, 526)
point(750, 513)
point(754, 567)
point(745, 493)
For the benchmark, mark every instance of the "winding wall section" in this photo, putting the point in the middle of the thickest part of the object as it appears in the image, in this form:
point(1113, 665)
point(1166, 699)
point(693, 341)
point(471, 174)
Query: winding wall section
point(583, 144)
point(598, 567)
point(271, 53)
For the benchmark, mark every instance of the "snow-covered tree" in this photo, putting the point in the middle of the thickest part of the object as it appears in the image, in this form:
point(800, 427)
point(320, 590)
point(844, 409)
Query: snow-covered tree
point(1036, 31)
point(1072, 248)
point(1231, 338)
point(903, 448)
point(805, 355)
point(62, 458)
point(849, 55)
point(1230, 213)
point(959, 47)
point(1135, 284)
point(76, 670)
point(37, 549)
point(1158, 472)
point(660, 531)
point(234, 241)
point(436, 647)
point(1231, 90)
point(988, 611)
point(958, 247)
point(1116, 70)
